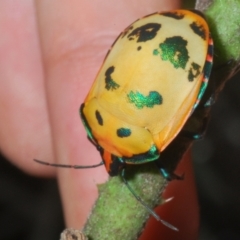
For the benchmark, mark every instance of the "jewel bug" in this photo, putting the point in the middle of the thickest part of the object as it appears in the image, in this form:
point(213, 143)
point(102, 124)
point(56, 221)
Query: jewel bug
point(151, 81)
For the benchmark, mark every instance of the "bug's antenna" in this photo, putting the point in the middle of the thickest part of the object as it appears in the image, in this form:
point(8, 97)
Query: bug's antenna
point(68, 166)
point(145, 205)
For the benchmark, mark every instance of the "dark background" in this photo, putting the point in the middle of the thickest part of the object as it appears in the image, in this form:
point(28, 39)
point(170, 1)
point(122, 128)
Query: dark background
point(30, 207)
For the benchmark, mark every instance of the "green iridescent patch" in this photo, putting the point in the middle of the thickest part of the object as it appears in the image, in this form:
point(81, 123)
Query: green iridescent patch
point(110, 84)
point(123, 132)
point(174, 50)
point(151, 155)
point(149, 101)
point(126, 31)
point(194, 71)
point(152, 151)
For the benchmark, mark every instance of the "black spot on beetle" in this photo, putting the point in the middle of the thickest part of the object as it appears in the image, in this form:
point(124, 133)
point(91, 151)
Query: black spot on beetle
point(145, 33)
point(175, 15)
point(123, 132)
point(139, 48)
point(198, 29)
point(99, 117)
point(193, 72)
point(110, 84)
point(109, 71)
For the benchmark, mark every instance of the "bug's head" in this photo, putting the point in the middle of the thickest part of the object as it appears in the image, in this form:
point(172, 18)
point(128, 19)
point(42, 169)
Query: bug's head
point(115, 139)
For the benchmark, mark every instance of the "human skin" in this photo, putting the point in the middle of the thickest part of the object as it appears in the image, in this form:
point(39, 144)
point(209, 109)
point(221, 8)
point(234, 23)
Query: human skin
point(50, 53)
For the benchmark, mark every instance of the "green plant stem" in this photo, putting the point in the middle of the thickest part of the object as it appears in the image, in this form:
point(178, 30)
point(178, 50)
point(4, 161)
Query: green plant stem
point(117, 214)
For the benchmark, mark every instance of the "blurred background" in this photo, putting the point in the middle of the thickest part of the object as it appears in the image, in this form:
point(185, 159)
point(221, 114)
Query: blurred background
point(30, 207)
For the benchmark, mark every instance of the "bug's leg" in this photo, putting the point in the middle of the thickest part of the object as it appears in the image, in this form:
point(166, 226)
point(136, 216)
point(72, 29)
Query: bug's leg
point(74, 166)
point(167, 174)
point(68, 166)
point(196, 135)
point(170, 176)
point(144, 204)
point(202, 110)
